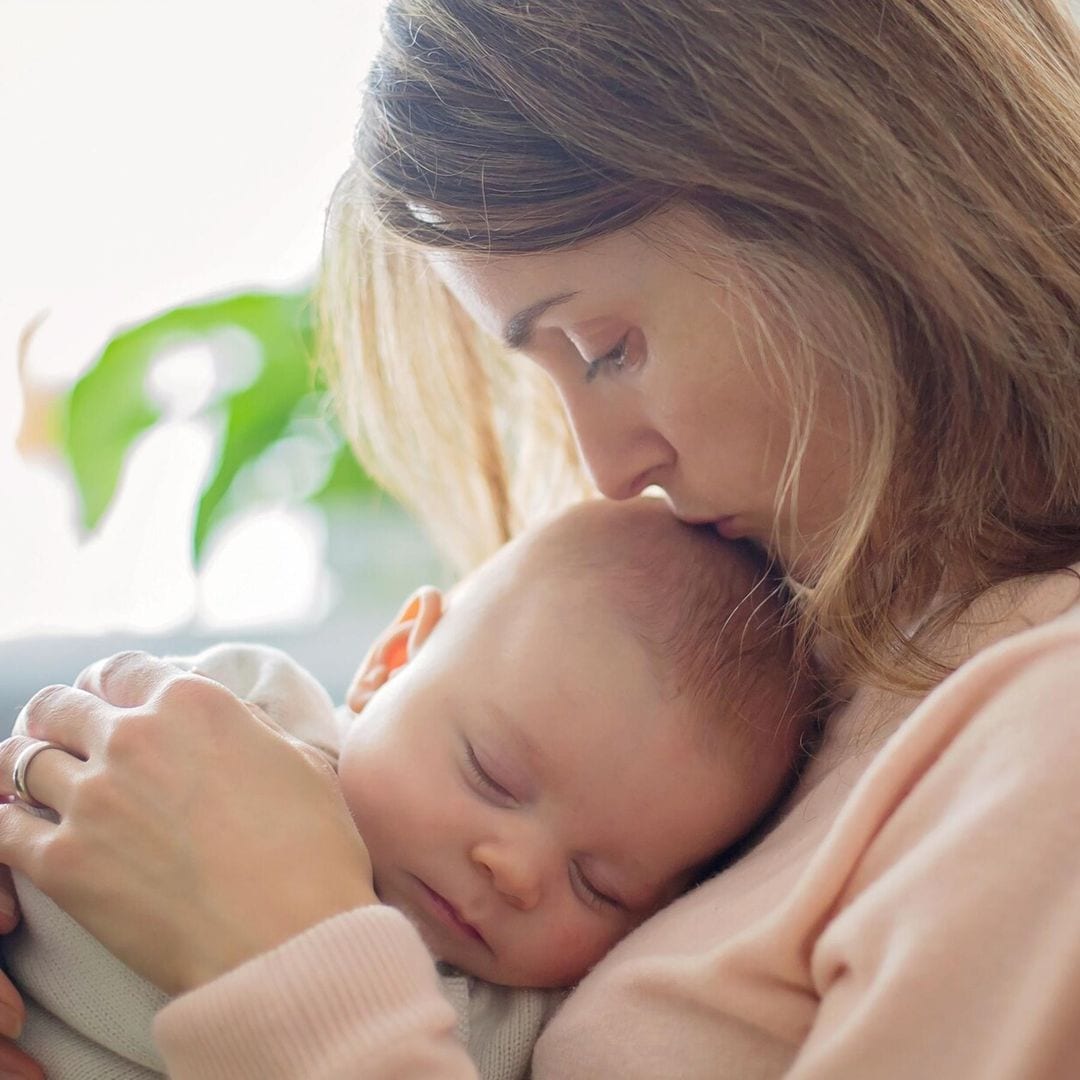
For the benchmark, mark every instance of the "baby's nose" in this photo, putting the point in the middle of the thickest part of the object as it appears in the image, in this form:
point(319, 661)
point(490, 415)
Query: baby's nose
point(514, 872)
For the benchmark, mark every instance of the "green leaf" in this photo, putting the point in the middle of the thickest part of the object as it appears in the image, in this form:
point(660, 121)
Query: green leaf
point(108, 408)
point(258, 415)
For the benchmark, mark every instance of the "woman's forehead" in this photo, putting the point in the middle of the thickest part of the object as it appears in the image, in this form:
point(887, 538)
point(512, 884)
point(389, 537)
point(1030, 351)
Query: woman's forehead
point(504, 293)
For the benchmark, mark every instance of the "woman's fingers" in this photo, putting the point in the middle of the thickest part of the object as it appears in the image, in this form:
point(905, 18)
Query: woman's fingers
point(9, 906)
point(127, 679)
point(49, 773)
point(24, 838)
point(73, 718)
point(12, 1011)
point(14, 1063)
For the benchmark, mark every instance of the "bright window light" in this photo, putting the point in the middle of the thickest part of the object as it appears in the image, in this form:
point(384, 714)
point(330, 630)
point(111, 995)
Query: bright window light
point(158, 154)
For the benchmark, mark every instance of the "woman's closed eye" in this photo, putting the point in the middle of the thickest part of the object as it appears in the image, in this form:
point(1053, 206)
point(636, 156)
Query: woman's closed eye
point(625, 355)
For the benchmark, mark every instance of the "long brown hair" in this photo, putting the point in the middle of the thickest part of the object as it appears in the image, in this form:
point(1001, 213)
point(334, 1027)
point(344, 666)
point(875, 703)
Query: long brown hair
point(911, 167)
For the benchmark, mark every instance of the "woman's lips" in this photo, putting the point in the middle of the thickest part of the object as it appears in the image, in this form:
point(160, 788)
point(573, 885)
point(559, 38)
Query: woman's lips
point(728, 528)
point(448, 915)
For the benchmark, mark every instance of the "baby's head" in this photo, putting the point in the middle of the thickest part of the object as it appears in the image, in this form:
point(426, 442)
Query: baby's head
point(607, 704)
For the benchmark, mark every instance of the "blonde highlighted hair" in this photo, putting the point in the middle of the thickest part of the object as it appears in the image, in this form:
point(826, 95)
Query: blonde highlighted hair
point(895, 187)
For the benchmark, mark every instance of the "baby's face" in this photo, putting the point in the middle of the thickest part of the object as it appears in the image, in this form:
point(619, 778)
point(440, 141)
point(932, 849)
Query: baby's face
point(529, 793)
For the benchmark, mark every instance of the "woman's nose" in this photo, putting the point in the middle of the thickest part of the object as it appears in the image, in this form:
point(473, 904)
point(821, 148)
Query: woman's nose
point(515, 872)
point(623, 452)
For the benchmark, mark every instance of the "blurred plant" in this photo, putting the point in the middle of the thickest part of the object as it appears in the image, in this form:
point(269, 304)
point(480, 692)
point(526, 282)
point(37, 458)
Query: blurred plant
point(276, 416)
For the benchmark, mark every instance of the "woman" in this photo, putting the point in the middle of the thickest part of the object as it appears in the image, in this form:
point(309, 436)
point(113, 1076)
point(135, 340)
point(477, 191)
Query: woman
point(814, 270)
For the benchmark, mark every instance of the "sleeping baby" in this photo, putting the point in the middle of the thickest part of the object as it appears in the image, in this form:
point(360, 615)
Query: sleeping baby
point(536, 766)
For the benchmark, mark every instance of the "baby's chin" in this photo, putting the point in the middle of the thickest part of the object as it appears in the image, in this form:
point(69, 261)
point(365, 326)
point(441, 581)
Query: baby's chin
point(517, 976)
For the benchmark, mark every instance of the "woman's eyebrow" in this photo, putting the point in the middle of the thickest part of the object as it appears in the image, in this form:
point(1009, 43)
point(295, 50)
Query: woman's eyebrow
point(519, 327)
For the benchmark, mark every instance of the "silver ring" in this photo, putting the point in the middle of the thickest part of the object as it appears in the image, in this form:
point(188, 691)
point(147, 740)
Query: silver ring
point(22, 763)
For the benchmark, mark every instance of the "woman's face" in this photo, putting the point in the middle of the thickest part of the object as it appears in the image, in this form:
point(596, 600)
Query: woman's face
point(666, 382)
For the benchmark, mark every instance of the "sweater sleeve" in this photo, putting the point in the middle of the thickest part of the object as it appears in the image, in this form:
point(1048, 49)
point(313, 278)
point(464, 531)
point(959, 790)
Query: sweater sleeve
point(356, 995)
point(954, 949)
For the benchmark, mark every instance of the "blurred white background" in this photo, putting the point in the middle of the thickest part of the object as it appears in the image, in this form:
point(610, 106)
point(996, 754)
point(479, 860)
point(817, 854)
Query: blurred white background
point(153, 154)
point(156, 153)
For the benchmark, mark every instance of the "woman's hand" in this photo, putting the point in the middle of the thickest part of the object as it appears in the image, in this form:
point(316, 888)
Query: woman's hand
point(193, 834)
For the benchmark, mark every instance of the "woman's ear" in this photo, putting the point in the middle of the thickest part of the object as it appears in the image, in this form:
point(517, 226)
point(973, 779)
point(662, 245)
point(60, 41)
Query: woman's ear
point(396, 645)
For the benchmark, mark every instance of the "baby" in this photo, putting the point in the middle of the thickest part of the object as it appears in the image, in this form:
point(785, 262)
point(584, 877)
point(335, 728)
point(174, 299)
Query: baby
point(604, 707)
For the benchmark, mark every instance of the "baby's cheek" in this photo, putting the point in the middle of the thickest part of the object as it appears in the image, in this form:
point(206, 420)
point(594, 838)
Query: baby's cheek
point(389, 792)
point(362, 786)
point(574, 945)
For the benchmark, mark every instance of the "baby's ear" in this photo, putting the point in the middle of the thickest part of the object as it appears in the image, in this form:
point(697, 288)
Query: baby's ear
point(396, 645)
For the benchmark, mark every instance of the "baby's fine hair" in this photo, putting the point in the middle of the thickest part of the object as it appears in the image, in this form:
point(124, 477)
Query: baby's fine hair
point(711, 613)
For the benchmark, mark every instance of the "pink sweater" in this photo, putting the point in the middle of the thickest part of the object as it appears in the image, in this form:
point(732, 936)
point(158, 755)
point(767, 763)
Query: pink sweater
point(916, 913)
